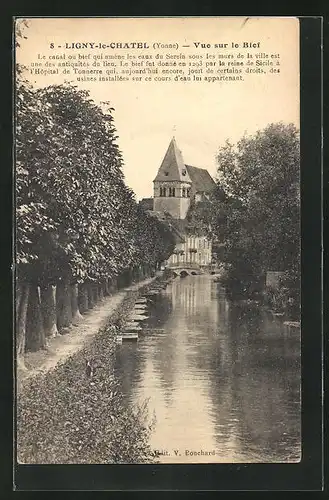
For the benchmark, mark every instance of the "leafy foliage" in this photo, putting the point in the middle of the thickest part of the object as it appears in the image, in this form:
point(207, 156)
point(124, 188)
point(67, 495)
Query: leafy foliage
point(255, 214)
point(76, 218)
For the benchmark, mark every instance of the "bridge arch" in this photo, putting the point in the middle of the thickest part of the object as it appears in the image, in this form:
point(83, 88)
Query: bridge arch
point(182, 272)
point(185, 269)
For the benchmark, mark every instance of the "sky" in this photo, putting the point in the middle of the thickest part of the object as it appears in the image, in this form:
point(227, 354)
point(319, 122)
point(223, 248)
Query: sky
point(201, 115)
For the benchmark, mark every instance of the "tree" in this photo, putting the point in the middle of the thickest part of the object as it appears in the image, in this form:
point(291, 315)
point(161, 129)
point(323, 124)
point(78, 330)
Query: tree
point(77, 221)
point(257, 219)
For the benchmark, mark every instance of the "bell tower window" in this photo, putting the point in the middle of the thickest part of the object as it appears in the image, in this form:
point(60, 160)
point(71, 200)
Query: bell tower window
point(162, 191)
point(184, 193)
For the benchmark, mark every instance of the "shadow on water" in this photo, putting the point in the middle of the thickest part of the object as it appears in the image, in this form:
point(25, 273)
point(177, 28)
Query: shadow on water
point(256, 392)
point(218, 375)
point(131, 359)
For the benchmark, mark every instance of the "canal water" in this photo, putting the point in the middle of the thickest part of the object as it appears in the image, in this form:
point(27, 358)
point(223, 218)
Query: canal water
point(222, 380)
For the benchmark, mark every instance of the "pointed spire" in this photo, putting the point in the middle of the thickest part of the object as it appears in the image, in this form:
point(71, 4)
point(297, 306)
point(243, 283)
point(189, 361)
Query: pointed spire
point(173, 167)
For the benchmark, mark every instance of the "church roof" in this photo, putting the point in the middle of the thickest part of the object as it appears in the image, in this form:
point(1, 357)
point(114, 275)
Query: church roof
point(201, 179)
point(173, 167)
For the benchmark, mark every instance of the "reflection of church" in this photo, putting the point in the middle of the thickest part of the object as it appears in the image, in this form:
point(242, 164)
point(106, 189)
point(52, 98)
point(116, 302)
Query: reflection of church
point(177, 189)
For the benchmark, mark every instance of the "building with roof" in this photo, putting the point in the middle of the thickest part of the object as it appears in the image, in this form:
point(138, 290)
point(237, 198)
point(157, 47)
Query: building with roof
point(178, 187)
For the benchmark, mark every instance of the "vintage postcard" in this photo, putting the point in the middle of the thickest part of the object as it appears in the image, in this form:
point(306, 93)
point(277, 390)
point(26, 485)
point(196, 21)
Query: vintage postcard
point(157, 240)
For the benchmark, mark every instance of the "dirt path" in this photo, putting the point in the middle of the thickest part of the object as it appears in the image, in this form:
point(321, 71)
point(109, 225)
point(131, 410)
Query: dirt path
point(63, 346)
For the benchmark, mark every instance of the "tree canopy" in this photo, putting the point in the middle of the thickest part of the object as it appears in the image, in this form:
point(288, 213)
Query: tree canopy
point(76, 218)
point(255, 209)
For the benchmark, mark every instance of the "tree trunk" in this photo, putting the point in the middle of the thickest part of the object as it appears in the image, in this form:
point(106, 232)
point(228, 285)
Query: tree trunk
point(35, 334)
point(123, 279)
point(112, 285)
point(83, 297)
point(91, 301)
point(95, 293)
point(107, 287)
point(76, 316)
point(129, 276)
point(101, 292)
point(64, 308)
point(22, 300)
point(141, 273)
point(48, 307)
point(19, 293)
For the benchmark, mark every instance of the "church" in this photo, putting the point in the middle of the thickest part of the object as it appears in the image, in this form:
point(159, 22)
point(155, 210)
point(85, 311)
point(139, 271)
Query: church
point(177, 189)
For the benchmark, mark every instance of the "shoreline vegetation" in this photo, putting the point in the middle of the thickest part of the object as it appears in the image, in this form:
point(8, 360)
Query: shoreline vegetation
point(65, 417)
point(253, 218)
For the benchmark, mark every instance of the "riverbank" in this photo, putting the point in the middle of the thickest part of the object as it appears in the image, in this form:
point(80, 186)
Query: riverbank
point(60, 348)
point(65, 417)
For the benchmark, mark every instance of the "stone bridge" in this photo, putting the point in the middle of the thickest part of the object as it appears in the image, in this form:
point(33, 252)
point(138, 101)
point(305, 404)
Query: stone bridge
point(185, 269)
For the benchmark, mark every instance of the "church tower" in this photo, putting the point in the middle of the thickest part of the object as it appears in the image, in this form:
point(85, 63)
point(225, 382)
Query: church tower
point(172, 185)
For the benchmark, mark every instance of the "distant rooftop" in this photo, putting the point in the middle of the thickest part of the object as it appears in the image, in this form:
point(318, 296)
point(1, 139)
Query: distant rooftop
point(173, 167)
point(202, 180)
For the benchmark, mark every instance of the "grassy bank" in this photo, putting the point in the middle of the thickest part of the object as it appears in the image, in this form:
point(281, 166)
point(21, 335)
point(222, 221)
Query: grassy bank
point(65, 417)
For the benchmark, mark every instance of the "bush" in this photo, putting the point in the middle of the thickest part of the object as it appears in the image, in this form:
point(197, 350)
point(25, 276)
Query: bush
point(65, 417)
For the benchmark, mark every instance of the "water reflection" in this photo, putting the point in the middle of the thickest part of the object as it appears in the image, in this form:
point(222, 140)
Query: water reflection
point(221, 378)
